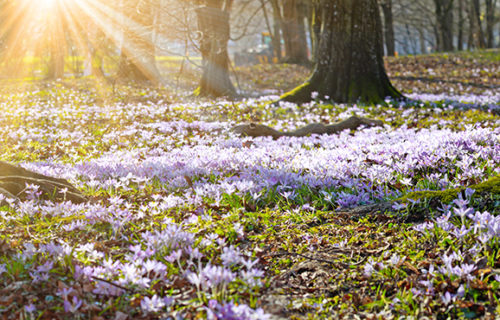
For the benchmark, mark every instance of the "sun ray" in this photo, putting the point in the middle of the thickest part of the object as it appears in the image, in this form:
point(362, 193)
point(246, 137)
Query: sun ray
point(49, 30)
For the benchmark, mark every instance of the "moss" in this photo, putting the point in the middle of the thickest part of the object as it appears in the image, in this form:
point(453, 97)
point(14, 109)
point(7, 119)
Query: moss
point(364, 91)
point(197, 92)
point(300, 94)
point(491, 185)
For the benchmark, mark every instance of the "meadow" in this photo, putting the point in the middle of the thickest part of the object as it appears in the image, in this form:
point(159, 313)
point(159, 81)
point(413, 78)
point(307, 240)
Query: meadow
point(186, 220)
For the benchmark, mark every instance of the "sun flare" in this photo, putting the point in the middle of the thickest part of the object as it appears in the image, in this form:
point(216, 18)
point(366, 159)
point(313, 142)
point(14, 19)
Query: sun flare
point(52, 33)
point(51, 4)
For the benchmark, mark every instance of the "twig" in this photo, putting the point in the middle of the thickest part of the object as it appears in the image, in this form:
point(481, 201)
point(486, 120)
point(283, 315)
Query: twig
point(286, 253)
point(316, 259)
point(113, 284)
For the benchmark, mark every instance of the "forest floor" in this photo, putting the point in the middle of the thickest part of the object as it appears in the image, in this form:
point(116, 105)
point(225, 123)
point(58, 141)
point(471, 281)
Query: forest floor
point(443, 73)
point(185, 220)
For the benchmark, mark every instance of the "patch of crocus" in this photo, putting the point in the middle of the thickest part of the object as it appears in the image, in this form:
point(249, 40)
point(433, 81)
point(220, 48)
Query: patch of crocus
point(168, 197)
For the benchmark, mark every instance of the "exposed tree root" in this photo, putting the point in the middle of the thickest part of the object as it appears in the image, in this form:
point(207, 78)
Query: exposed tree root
point(434, 198)
point(259, 130)
point(490, 186)
point(13, 181)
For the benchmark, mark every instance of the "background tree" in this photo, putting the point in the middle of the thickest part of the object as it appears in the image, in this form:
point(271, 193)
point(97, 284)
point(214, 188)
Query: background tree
point(95, 30)
point(461, 23)
point(349, 65)
point(213, 24)
point(276, 34)
point(390, 44)
point(477, 34)
point(490, 22)
point(294, 31)
point(444, 30)
point(55, 33)
point(138, 54)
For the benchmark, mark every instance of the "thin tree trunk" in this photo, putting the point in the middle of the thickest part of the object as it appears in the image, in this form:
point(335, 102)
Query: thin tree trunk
point(478, 34)
point(490, 22)
point(274, 32)
point(309, 14)
point(471, 39)
point(277, 23)
point(316, 31)
point(388, 27)
point(421, 34)
point(57, 46)
point(461, 22)
point(350, 66)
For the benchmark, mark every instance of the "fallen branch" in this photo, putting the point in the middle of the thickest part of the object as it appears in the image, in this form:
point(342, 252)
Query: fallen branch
point(113, 284)
point(332, 262)
point(259, 130)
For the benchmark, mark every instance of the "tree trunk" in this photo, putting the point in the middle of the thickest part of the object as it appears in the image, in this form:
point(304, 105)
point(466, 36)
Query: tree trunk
point(315, 30)
point(309, 18)
point(213, 24)
point(461, 22)
point(93, 62)
point(294, 32)
point(57, 47)
point(388, 27)
point(277, 41)
point(444, 19)
point(275, 29)
point(137, 58)
point(350, 66)
point(490, 22)
point(471, 41)
point(478, 28)
point(56, 62)
point(421, 34)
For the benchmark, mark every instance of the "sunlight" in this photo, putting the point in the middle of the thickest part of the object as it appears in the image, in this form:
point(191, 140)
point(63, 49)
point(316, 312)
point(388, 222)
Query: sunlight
point(52, 31)
point(51, 4)
point(48, 3)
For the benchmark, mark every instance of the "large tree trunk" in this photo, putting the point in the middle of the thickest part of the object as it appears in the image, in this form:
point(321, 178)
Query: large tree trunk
point(294, 32)
point(350, 66)
point(137, 58)
point(390, 45)
point(213, 23)
point(444, 19)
